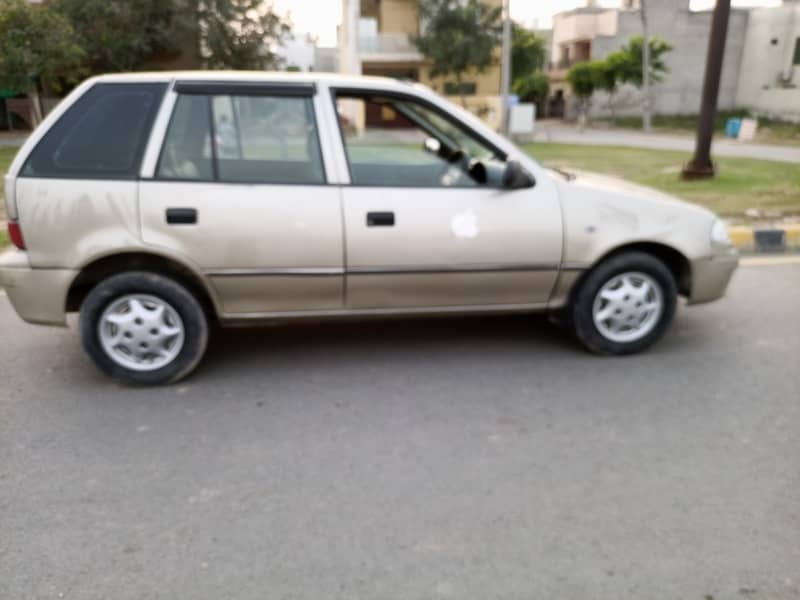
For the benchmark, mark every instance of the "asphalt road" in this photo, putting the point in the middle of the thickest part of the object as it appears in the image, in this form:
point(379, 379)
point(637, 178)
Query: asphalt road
point(465, 458)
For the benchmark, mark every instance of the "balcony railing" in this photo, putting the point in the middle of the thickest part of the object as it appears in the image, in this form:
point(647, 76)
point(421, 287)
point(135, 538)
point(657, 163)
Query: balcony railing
point(386, 43)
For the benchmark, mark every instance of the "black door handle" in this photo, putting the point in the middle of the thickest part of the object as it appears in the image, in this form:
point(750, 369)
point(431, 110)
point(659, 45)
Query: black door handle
point(181, 216)
point(380, 219)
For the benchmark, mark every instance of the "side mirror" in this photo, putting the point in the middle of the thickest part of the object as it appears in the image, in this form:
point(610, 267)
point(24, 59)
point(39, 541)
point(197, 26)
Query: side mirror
point(516, 178)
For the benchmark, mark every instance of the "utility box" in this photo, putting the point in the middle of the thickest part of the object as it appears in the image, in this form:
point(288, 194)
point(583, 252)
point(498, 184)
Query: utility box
point(521, 119)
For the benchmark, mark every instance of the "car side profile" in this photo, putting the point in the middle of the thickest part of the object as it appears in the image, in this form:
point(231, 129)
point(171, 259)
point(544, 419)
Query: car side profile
point(156, 205)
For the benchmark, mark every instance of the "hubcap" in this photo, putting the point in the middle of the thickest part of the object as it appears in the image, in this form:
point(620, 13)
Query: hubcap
point(628, 307)
point(141, 332)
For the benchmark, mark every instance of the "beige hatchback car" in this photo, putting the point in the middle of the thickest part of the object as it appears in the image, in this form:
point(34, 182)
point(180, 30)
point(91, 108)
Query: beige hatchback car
point(158, 204)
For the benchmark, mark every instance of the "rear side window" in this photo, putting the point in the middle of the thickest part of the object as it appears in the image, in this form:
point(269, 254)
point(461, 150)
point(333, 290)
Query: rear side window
point(242, 139)
point(101, 136)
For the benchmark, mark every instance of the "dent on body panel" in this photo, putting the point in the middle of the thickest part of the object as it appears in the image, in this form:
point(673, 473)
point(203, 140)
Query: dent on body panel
point(67, 222)
point(600, 223)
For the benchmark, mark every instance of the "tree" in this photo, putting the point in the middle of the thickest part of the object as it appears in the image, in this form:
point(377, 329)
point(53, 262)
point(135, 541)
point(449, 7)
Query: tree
point(632, 62)
point(609, 73)
point(582, 78)
point(458, 36)
point(239, 34)
point(38, 48)
point(528, 52)
point(119, 35)
point(633, 70)
point(532, 88)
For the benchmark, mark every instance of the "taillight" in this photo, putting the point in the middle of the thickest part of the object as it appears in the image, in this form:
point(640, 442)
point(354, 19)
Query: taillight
point(15, 233)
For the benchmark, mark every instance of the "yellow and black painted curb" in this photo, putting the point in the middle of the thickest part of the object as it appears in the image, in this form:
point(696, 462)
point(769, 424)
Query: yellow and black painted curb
point(771, 239)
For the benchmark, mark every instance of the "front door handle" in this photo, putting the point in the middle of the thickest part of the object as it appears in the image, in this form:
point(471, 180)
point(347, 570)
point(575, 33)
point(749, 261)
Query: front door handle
point(181, 216)
point(380, 219)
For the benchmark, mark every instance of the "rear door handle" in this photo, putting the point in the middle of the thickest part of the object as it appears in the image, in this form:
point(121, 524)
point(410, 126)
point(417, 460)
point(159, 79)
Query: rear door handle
point(181, 216)
point(380, 219)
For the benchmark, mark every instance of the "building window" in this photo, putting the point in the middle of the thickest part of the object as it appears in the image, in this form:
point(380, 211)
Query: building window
point(796, 60)
point(468, 88)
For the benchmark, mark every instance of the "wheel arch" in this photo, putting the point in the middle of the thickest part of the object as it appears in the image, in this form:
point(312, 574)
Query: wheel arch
point(101, 267)
point(677, 262)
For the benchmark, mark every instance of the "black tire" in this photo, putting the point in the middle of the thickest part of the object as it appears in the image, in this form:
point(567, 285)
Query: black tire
point(583, 302)
point(141, 282)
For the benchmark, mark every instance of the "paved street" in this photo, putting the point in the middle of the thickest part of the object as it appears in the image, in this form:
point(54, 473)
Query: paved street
point(558, 131)
point(465, 458)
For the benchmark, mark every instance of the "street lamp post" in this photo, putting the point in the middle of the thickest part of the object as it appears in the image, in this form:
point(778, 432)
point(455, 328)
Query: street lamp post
point(701, 167)
point(646, 113)
point(505, 67)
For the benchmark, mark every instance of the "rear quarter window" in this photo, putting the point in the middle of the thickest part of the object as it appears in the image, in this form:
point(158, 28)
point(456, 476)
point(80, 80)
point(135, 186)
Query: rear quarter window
point(101, 136)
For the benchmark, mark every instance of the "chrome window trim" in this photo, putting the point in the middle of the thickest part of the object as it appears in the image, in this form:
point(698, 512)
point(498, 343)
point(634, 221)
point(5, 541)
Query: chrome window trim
point(158, 133)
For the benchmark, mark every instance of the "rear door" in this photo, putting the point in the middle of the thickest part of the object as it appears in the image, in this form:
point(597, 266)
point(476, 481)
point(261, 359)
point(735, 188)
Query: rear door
point(240, 189)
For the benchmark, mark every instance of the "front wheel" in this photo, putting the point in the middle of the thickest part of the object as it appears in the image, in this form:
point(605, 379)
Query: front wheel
point(625, 304)
point(143, 328)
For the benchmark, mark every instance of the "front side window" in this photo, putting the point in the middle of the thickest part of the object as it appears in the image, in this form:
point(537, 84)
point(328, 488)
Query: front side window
point(395, 141)
point(246, 139)
point(102, 135)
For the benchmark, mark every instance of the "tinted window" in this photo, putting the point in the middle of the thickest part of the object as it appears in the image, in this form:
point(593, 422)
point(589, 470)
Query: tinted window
point(102, 135)
point(256, 139)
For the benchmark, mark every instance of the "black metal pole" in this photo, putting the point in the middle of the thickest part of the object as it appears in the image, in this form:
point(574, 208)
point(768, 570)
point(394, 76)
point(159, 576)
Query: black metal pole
point(701, 166)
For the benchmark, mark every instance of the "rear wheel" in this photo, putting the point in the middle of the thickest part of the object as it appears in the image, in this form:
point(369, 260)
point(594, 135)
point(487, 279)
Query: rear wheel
point(625, 304)
point(142, 328)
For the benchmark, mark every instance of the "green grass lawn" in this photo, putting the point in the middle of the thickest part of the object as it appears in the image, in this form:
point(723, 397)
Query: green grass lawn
point(741, 183)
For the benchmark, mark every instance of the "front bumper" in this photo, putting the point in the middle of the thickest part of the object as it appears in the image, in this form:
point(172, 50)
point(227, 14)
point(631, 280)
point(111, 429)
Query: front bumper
point(711, 275)
point(38, 295)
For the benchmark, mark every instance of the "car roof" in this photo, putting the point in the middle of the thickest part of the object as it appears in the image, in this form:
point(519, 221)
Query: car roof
point(332, 79)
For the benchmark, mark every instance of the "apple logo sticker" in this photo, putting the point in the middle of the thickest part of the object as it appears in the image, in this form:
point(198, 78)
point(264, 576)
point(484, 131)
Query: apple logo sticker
point(465, 225)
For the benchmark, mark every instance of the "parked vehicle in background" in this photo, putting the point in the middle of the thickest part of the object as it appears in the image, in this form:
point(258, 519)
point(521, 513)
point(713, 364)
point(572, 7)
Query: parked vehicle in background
point(157, 204)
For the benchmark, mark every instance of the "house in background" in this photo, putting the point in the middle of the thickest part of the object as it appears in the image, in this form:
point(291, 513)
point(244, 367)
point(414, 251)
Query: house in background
point(375, 39)
point(769, 83)
point(592, 33)
point(571, 40)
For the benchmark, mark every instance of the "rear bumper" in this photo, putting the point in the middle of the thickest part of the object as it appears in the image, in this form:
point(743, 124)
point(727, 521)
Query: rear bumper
point(711, 275)
point(38, 295)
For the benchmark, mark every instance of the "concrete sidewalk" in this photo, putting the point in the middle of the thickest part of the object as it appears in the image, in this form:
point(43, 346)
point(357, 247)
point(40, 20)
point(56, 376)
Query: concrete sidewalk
point(557, 131)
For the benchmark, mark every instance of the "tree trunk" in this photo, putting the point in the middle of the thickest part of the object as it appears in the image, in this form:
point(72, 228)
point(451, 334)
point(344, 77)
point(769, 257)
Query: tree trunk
point(36, 104)
point(460, 85)
point(583, 115)
point(646, 118)
point(612, 108)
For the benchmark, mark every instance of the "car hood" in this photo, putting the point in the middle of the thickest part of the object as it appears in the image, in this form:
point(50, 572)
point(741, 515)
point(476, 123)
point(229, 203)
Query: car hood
point(639, 195)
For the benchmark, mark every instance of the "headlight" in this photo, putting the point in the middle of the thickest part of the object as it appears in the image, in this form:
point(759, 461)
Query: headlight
point(719, 234)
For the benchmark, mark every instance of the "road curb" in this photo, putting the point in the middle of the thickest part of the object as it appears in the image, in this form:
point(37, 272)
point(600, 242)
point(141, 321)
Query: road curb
point(758, 239)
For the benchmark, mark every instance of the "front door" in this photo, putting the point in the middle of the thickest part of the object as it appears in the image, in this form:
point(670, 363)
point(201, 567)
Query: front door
point(240, 189)
point(422, 232)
